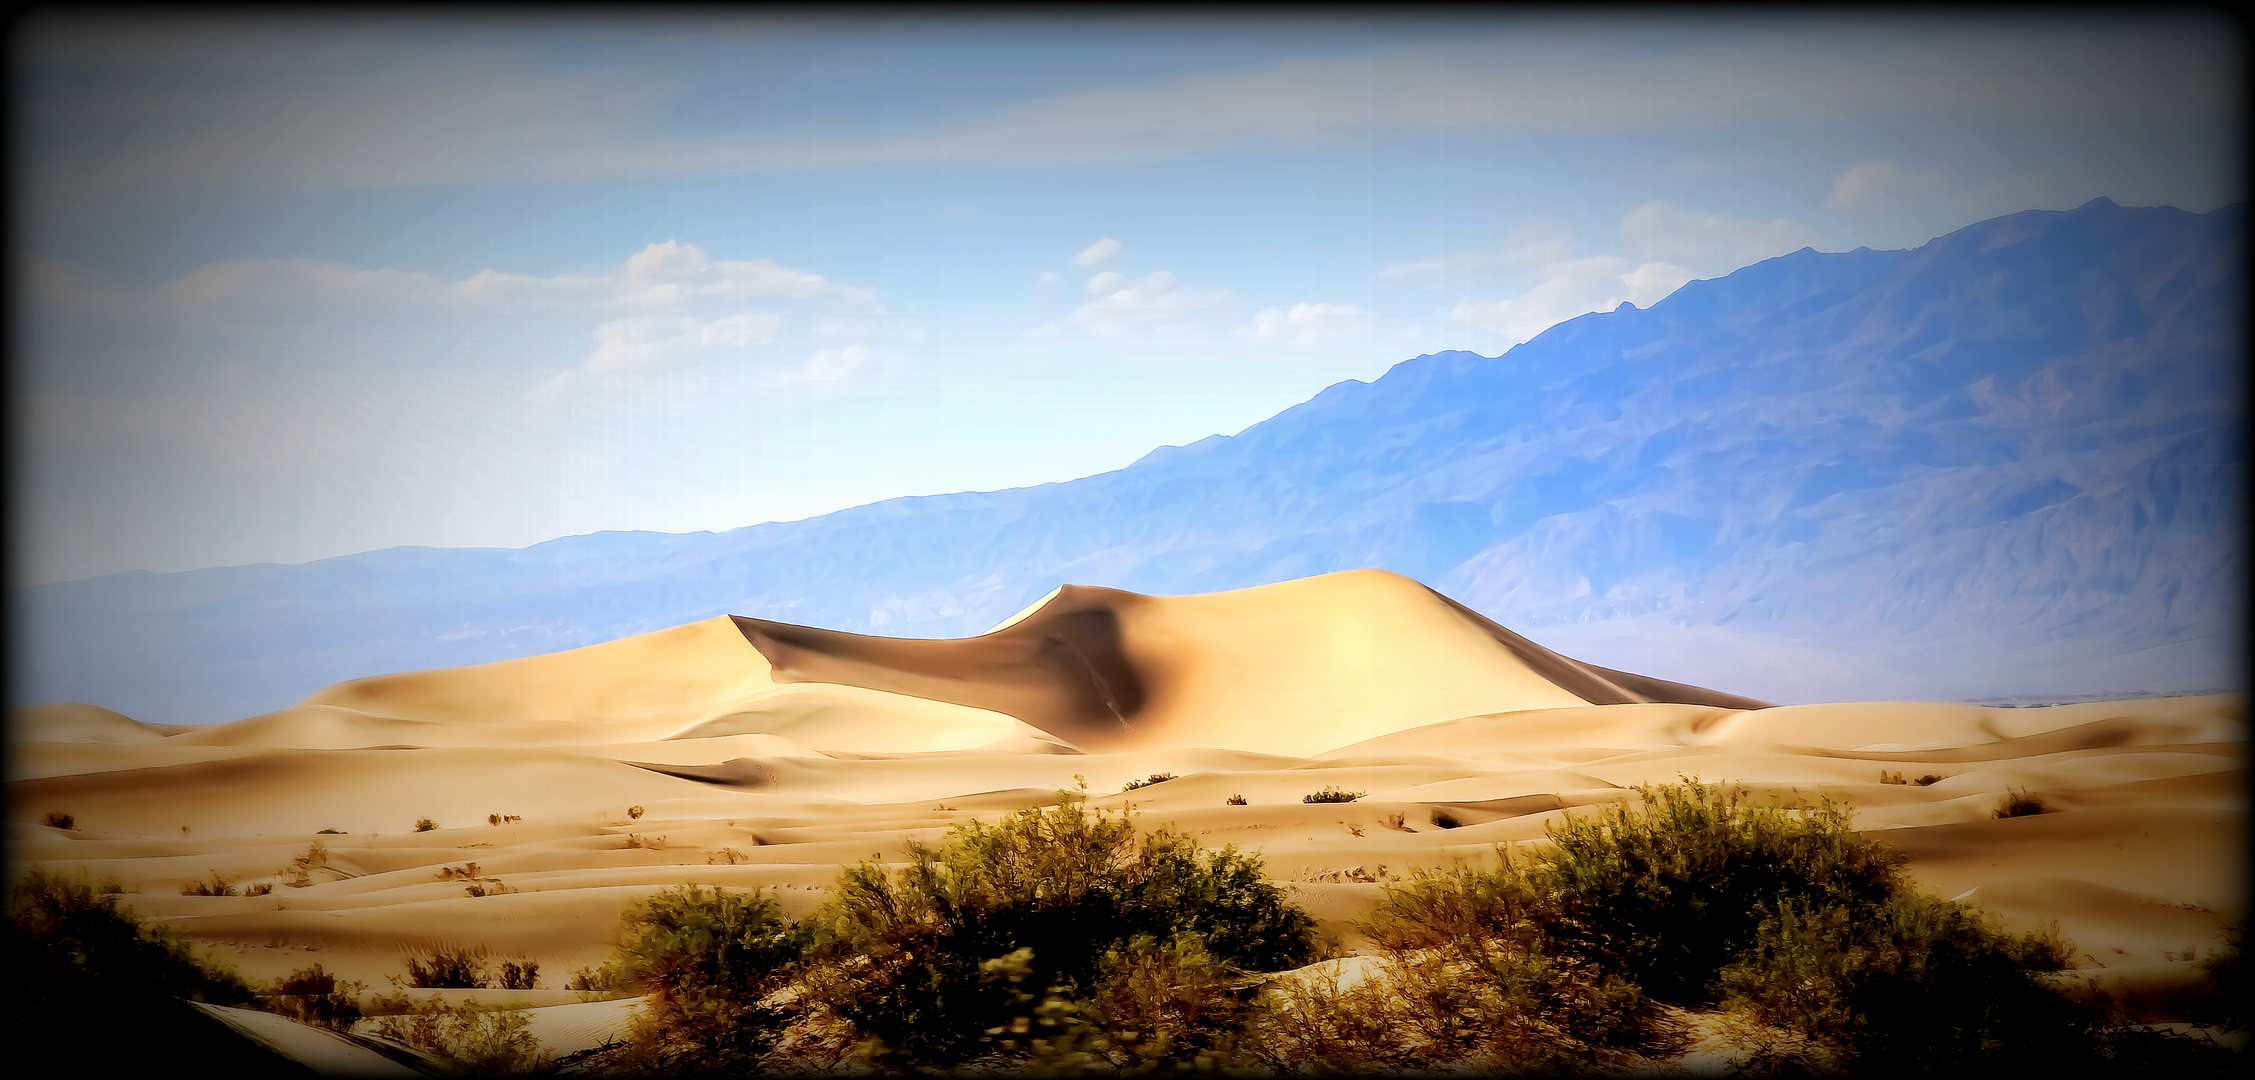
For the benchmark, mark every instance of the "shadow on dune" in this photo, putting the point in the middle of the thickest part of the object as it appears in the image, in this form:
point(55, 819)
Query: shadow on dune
point(1064, 669)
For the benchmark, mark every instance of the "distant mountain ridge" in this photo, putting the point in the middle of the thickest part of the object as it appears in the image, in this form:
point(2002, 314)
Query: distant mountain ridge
point(2011, 457)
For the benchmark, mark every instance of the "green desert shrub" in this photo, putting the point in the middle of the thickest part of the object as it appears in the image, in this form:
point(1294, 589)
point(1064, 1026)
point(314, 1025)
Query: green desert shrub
point(447, 969)
point(707, 960)
point(1668, 891)
point(468, 1039)
point(80, 962)
point(1808, 935)
point(1054, 912)
point(313, 995)
point(1467, 975)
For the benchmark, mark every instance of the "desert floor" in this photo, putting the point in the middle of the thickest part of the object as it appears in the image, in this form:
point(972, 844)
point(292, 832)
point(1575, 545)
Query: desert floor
point(709, 754)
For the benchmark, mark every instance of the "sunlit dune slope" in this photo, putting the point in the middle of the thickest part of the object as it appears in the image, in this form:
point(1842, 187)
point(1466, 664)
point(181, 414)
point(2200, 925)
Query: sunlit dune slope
point(1289, 668)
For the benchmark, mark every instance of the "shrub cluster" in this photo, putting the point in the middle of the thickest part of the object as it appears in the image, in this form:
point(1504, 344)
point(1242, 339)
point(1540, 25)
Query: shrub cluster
point(314, 996)
point(465, 969)
point(1058, 913)
point(80, 962)
point(1332, 794)
point(1804, 933)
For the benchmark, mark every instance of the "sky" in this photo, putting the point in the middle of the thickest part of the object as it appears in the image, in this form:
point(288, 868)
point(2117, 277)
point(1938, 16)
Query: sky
point(291, 287)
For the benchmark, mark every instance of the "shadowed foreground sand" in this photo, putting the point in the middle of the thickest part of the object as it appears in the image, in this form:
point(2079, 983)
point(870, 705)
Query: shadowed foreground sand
point(768, 755)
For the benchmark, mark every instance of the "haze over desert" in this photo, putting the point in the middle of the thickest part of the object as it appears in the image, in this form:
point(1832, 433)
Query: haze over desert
point(755, 755)
point(690, 544)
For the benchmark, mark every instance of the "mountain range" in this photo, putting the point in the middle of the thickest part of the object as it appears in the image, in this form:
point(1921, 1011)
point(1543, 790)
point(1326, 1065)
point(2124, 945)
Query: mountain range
point(2008, 463)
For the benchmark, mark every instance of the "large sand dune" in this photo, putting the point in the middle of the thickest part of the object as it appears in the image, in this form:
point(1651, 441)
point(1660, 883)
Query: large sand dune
point(752, 754)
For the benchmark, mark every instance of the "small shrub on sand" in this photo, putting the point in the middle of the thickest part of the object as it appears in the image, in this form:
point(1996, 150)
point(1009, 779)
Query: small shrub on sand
point(1154, 778)
point(1235, 800)
point(56, 819)
point(634, 812)
point(449, 969)
point(330, 832)
point(520, 974)
point(1886, 777)
point(425, 825)
point(1927, 780)
point(2018, 802)
point(1332, 795)
point(216, 886)
point(314, 996)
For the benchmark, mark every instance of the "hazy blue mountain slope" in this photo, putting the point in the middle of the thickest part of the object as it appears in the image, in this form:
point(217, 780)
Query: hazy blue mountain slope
point(2025, 439)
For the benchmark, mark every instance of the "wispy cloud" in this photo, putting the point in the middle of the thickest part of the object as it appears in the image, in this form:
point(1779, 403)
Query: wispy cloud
point(327, 104)
point(1155, 301)
point(1306, 324)
point(1711, 242)
point(1563, 290)
point(1097, 252)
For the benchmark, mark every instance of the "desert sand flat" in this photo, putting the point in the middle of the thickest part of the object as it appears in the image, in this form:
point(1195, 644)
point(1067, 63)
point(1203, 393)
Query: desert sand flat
point(754, 755)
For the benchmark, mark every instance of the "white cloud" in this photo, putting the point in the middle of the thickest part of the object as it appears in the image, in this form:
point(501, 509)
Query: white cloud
point(1713, 243)
point(1097, 252)
point(624, 344)
point(187, 103)
point(670, 272)
point(1874, 187)
point(1106, 282)
point(827, 366)
point(1305, 324)
point(1567, 289)
point(1532, 244)
point(1155, 301)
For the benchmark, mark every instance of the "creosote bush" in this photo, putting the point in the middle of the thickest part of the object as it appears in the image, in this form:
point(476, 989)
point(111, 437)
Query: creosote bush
point(81, 962)
point(216, 886)
point(1806, 934)
point(449, 969)
point(707, 960)
point(312, 995)
point(2018, 802)
point(469, 1039)
point(1051, 925)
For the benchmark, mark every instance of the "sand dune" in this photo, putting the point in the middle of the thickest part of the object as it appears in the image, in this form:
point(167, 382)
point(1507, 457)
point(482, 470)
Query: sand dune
point(754, 754)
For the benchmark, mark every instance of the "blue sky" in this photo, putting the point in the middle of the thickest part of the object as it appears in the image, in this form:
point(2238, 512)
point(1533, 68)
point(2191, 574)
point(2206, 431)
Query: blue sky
point(296, 288)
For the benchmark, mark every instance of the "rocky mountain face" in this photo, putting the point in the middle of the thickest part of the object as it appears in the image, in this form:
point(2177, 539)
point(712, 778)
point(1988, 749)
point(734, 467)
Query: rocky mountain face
point(2010, 462)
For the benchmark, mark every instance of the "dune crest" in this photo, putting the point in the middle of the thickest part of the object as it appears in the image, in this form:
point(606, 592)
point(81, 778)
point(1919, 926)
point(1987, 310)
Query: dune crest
point(1295, 667)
